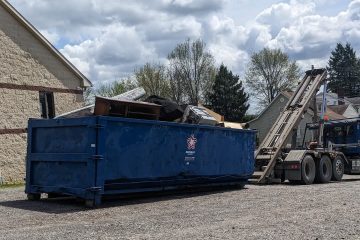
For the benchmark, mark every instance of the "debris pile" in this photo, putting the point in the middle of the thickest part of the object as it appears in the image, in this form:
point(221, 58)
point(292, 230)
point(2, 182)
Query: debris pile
point(198, 115)
point(170, 110)
point(154, 107)
point(131, 95)
point(126, 108)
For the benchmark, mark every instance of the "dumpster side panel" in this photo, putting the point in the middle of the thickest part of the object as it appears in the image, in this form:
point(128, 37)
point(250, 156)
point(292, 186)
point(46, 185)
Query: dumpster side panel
point(137, 150)
point(93, 156)
point(59, 157)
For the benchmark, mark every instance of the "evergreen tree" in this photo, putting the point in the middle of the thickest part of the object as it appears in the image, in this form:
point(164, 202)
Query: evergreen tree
point(344, 71)
point(227, 96)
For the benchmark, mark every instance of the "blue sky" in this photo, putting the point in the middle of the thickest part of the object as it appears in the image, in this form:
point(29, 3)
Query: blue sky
point(108, 39)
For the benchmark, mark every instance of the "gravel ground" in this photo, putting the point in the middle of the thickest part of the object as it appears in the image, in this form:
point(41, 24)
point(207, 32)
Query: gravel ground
point(324, 211)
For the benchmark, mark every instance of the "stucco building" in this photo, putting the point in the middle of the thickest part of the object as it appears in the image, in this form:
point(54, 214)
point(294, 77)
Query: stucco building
point(268, 116)
point(36, 81)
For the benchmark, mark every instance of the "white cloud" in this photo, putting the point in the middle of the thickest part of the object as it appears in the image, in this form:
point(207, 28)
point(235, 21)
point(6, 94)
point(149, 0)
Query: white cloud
point(314, 36)
point(284, 14)
point(186, 7)
point(316, 62)
point(116, 52)
point(225, 39)
point(109, 39)
point(232, 57)
point(53, 37)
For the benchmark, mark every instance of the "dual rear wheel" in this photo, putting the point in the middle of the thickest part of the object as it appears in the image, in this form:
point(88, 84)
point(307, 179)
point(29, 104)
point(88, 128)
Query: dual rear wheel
point(323, 171)
point(308, 170)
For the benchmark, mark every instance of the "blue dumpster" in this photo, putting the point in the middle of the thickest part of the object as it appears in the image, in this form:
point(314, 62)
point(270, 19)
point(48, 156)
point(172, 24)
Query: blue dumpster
point(345, 131)
point(91, 157)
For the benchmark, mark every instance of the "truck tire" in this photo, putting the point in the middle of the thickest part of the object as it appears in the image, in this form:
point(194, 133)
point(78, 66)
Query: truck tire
point(324, 170)
point(337, 168)
point(308, 170)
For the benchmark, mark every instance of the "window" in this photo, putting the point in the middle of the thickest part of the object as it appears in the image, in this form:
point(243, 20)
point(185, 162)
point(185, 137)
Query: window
point(47, 107)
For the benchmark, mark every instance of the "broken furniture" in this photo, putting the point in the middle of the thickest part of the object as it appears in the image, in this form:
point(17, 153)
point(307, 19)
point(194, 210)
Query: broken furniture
point(124, 108)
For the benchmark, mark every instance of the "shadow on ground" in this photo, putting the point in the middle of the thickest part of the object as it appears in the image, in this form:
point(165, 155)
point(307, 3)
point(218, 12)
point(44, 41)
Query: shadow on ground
point(70, 204)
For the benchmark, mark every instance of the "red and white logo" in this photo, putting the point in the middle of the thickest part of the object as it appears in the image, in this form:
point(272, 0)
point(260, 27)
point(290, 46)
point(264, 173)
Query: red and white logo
point(191, 142)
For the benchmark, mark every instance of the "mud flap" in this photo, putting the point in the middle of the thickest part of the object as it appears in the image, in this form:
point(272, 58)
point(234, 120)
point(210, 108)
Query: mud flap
point(292, 164)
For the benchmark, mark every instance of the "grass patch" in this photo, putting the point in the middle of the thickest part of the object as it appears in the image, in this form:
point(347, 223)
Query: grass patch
point(14, 185)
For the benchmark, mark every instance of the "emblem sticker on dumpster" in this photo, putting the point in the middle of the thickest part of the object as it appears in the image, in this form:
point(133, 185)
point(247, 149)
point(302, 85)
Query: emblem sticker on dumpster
point(191, 146)
point(191, 142)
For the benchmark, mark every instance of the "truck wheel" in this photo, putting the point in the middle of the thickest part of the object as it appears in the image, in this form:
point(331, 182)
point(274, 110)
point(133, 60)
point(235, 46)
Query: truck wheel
point(337, 168)
point(308, 170)
point(324, 170)
point(33, 196)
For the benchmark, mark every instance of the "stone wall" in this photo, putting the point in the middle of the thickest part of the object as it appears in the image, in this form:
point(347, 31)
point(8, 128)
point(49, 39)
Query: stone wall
point(16, 107)
point(25, 61)
point(12, 157)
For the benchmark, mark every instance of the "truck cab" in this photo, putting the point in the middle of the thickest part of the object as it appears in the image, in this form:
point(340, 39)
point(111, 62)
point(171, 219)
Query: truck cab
point(344, 136)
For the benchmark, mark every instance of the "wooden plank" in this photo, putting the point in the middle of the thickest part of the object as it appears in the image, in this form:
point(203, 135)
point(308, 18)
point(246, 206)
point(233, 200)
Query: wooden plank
point(131, 109)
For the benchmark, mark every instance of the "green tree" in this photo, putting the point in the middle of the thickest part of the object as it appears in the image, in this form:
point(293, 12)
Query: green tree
point(191, 71)
point(108, 89)
point(344, 71)
point(153, 78)
point(114, 88)
point(228, 97)
point(270, 71)
point(249, 117)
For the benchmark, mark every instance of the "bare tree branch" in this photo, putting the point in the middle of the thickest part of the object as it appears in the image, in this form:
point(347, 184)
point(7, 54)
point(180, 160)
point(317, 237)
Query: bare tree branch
point(271, 71)
point(191, 71)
